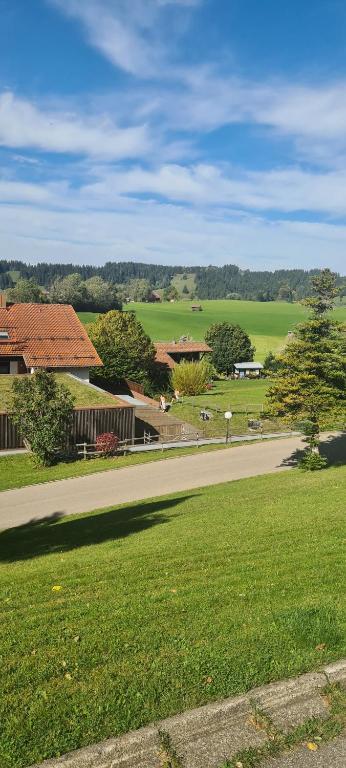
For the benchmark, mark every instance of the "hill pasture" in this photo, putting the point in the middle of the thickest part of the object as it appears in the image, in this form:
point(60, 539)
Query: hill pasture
point(266, 322)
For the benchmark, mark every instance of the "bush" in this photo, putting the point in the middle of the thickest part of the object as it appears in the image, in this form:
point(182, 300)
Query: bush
point(312, 461)
point(42, 410)
point(107, 443)
point(190, 378)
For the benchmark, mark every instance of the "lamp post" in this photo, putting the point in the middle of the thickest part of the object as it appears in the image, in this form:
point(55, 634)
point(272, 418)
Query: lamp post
point(228, 416)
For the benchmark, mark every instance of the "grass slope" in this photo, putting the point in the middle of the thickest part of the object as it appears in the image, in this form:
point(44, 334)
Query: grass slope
point(83, 394)
point(267, 323)
point(165, 605)
point(245, 398)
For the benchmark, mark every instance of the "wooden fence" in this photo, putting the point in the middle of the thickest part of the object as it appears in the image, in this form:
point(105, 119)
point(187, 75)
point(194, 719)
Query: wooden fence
point(87, 423)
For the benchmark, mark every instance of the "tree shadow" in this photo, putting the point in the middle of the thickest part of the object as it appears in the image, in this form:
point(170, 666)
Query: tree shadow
point(58, 533)
point(334, 450)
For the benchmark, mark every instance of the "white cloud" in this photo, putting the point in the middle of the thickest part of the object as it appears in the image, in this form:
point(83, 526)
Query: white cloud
point(22, 124)
point(167, 234)
point(287, 190)
point(121, 31)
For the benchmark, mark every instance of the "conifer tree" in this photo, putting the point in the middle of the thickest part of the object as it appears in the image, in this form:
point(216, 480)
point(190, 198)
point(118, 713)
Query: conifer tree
point(310, 384)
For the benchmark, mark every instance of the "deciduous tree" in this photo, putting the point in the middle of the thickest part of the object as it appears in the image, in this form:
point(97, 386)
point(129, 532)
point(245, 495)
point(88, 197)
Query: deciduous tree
point(125, 349)
point(230, 344)
point(42, 410)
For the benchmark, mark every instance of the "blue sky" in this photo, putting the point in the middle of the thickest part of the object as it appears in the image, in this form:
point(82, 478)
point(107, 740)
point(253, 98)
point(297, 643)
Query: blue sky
point(174, 131)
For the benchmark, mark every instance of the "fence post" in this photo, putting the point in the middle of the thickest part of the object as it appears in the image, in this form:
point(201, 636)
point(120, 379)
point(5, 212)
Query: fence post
point(84, 451)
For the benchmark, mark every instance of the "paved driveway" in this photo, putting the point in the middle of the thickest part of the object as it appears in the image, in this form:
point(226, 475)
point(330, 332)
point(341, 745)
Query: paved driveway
point(83, 494)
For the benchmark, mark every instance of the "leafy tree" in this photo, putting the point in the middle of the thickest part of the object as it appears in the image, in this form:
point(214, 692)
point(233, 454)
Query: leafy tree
point(190, 378)
point(311, 381)
point(185, 289)
point(42, 410)
point(125, 349)
point(286, 293)
point(26, 292)
point(230, 344)
point(138, 290)
point(69, 290)
point(170, 293)
point(101, 296)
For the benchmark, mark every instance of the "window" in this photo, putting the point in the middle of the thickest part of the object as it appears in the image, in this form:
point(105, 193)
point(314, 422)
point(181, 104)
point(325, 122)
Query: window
point(4, 335)
point(4, 367)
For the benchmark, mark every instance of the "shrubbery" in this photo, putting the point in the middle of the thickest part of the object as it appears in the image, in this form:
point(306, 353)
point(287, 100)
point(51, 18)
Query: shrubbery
point(107, 443)
point(42, 410)
point(191, 378)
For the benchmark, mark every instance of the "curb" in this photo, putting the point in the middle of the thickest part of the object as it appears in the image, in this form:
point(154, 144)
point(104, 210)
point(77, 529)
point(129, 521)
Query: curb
point(208, 736)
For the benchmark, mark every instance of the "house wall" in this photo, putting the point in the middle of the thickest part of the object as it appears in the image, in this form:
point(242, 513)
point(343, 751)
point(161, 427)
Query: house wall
point(80, 373)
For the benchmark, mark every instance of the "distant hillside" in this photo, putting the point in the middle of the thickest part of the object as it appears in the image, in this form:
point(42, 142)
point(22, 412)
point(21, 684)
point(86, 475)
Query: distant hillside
point(211, 282)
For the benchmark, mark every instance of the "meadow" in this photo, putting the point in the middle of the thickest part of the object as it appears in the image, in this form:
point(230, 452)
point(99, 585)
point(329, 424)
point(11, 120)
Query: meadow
point(266, 322)
point(118, 618)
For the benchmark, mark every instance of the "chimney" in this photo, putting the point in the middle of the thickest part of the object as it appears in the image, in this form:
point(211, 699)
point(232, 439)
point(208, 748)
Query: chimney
point(2, 300)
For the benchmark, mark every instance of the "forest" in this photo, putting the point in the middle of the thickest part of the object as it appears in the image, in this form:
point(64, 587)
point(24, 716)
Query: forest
point(211, 282)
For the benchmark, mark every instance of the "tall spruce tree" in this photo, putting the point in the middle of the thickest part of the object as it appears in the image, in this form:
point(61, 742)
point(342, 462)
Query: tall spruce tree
point(310, 384)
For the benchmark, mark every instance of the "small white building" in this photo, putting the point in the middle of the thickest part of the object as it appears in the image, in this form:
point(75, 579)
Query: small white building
point(244, 370)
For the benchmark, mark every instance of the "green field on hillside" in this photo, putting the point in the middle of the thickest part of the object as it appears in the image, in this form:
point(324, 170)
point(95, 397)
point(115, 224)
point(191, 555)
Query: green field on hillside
point(115, 619)
point(266, 322)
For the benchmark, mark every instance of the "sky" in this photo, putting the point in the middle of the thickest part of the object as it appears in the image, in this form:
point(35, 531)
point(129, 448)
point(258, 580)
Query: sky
point(174, 132)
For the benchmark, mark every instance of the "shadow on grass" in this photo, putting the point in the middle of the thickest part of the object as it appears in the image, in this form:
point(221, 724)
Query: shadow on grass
point(334, 450)
point(57, 533)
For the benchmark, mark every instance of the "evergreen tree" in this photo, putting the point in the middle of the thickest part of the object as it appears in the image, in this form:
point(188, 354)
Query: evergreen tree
point(230, 345)
point(311, 381)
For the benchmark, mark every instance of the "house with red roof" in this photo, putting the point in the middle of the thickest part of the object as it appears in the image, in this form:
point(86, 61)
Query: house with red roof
point(49, 336)
point(171, 353)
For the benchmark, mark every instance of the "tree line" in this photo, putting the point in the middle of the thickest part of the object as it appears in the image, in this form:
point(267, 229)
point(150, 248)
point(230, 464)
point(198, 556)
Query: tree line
point(136, 280)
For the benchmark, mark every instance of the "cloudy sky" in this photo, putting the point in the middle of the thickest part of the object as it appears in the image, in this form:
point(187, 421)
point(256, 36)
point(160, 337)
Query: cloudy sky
point(174, 131)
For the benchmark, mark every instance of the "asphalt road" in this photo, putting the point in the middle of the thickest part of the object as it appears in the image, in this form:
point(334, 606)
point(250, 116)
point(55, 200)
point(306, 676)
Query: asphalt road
point(331, 755)
point(83, 494)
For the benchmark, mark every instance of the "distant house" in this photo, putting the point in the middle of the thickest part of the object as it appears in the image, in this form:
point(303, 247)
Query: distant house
point(154, 297)
point(49, 336)
point(171, 353)
point(196, 308)
point(243, 370)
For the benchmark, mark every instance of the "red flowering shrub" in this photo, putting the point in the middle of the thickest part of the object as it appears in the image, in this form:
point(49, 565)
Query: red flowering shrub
point(107, 443)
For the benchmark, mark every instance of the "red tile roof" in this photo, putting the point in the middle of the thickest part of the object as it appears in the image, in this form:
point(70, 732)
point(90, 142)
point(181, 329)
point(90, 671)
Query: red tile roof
point(46, 336)
point(165, 349)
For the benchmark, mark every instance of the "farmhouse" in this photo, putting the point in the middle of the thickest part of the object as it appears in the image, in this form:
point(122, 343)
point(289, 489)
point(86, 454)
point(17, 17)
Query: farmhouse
point(170, 353)
point(243, 370)
point(46, 336)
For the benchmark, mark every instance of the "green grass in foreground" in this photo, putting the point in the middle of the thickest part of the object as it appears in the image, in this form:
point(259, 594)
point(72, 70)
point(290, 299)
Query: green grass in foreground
point(84, 395)
point(18, 471)
point(266, 322)
point(165, 605)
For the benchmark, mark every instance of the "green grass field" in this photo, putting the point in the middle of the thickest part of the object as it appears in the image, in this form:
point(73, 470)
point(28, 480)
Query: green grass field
point(164, 605)
point(84, 395)
point(267, 323)
point(245, 398)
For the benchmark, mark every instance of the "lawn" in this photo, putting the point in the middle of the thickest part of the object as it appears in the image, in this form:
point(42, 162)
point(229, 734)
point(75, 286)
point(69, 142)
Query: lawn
point(246, 399)
point(164, 605)
point(266, 322)
point(84, 395)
